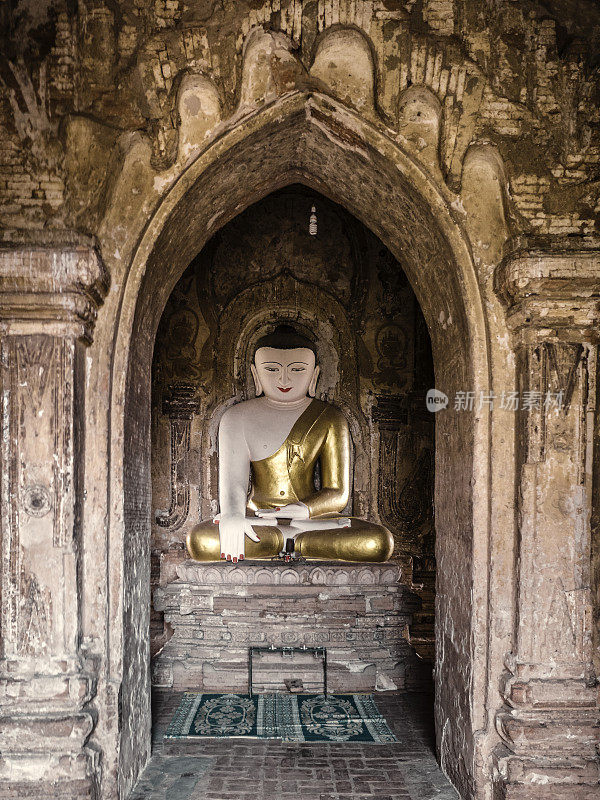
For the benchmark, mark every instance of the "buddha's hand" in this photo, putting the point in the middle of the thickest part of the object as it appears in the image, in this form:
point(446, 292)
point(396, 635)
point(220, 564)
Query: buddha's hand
point(232, 530)
point(291, 511)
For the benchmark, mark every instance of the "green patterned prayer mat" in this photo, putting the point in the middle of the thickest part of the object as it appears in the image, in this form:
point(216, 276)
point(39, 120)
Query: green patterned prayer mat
point(289, 717)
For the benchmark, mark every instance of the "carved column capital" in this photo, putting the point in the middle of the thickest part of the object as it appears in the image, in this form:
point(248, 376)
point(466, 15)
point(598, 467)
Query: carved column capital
point(53, 288)
point(552, 289)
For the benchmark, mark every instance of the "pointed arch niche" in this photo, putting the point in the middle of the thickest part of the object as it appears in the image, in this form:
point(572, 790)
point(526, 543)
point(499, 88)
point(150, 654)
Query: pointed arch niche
point(344, 288)
point(315, 142)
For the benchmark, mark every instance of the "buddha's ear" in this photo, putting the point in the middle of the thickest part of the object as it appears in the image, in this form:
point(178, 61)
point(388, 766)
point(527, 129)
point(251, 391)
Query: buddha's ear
point(312, 386)
point(257, 384)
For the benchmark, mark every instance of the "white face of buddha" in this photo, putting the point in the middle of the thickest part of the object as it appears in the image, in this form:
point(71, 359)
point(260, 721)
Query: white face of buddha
point(285, 376)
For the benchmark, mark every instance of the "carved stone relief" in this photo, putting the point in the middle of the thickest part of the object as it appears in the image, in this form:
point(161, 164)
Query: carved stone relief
point(37, 371)
point(550, 373)
point(180, 408)
point(405, 487)
point(556, 381)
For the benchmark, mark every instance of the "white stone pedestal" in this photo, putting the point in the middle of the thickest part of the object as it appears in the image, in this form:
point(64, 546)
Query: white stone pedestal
point(360, 613)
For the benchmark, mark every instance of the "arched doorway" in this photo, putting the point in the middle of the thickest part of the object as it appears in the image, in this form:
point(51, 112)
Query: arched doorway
point(314, 141)
point(342, 286)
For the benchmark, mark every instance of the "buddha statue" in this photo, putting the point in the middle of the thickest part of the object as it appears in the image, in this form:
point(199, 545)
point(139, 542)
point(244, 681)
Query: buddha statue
point(277, 439)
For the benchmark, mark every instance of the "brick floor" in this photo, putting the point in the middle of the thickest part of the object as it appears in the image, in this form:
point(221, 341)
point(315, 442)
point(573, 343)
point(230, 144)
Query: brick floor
point(218, 769)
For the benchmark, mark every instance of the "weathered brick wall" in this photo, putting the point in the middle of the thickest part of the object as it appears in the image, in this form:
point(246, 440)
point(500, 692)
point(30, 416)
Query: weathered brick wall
point(512, 75)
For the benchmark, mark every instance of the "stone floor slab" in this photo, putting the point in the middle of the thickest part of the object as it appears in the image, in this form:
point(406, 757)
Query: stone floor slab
point(226, 769)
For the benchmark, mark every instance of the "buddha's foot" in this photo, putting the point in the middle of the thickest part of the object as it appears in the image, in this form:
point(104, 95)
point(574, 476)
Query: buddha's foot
point(203, 543)
point(362, 541)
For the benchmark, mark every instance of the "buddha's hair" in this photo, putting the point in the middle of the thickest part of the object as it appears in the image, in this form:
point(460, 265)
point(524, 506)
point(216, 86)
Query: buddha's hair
point(285, 337)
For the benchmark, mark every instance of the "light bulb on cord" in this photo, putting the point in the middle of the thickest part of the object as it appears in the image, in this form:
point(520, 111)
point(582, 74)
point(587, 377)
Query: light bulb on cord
point(312, 223)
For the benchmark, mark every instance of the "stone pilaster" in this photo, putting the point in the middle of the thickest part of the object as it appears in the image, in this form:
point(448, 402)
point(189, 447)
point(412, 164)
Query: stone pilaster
point(550, 720)
point(49, 295)
point(181, 405)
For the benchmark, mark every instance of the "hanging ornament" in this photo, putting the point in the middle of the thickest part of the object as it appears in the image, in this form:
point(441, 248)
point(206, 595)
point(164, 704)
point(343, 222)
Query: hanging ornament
point(312, 223)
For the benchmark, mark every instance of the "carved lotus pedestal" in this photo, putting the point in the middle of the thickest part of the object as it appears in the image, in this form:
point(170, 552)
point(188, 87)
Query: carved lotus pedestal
point(360, 613)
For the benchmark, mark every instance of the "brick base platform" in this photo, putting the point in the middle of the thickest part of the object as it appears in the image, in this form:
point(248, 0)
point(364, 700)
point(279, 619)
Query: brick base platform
point(360, 613)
